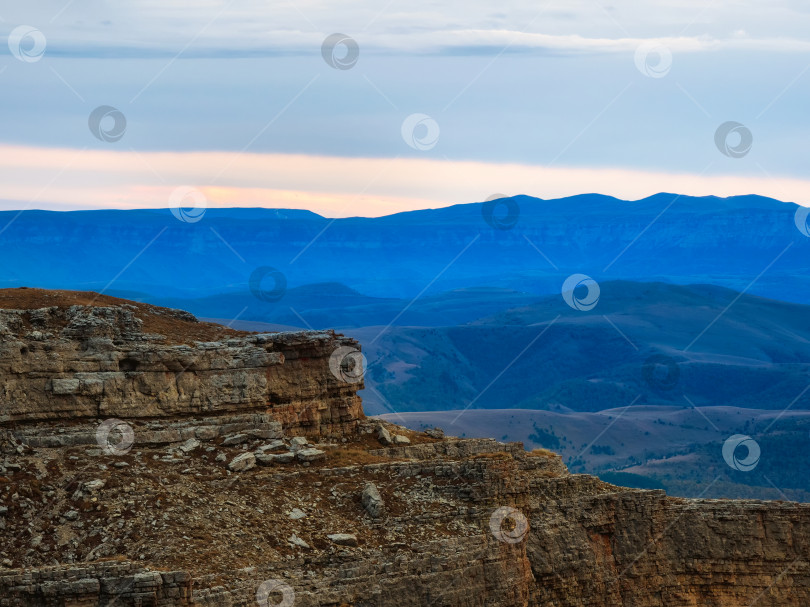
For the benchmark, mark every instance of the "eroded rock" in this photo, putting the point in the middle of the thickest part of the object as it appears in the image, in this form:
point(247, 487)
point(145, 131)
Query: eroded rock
point(467, 522)
point(84, 361)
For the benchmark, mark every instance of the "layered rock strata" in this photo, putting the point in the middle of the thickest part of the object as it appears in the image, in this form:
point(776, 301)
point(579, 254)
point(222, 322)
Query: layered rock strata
point(93, 361)
point(257, 481)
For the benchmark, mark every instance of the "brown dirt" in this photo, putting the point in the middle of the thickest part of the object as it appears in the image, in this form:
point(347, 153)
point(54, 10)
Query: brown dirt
point(193, 514)
point(163, 321)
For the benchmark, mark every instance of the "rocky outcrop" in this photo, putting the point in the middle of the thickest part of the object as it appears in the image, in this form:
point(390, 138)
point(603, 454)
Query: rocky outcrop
point(502, 527)
point(83, 361)
point(206, 496)
point(643, 548)
point(98, 584)
point(147, 432)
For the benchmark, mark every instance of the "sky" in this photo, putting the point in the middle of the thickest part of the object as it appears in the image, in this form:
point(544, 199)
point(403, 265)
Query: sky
point(415, 105)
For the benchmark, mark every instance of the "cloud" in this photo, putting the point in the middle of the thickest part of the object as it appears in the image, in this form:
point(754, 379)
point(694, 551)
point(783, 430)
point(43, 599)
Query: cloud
point(331, 186)
point(222, 28)
point(456, 42)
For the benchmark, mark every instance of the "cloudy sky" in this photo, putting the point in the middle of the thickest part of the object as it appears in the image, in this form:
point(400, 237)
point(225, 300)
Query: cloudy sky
point(436, 104)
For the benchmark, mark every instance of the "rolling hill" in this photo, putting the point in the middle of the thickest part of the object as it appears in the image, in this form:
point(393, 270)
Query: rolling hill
point(646, 343)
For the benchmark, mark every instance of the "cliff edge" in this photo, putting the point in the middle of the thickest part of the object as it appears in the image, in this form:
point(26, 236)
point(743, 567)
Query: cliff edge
point(149, 459)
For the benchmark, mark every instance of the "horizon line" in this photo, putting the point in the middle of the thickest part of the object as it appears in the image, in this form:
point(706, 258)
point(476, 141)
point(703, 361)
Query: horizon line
point(332, 186)
point(169, 209)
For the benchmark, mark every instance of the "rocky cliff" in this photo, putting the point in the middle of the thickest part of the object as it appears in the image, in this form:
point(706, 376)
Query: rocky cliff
point(67, 356)
point(257, 481)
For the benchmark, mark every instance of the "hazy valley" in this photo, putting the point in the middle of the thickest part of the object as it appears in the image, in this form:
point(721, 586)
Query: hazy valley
point(459, 316)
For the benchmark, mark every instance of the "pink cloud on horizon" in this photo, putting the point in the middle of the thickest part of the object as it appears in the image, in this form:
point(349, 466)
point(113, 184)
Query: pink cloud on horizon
point(65, 179)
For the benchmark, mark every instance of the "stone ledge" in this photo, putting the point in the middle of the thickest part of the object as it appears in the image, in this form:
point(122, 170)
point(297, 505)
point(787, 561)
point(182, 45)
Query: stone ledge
point(459, 448)
point(62, 364)
point(125, 584)
point(157, 432)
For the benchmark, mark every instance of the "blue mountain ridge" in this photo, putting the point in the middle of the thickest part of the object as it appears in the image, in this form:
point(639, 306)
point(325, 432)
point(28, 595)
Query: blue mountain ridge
point(665, 237)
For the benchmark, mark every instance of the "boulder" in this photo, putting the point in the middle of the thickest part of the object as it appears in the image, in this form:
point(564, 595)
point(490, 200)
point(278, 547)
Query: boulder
point(206, 433)
point(372, 501)
point(94, 485)
point(234, 439)
point(268, 459)
point(283, 458)
point(272, 446)
point(294, 540)
point(242, 462)
point(384, 436)
point(299, 442)
point(311, 455)
point(435, 433)
point(343, 539)
point(189, 445)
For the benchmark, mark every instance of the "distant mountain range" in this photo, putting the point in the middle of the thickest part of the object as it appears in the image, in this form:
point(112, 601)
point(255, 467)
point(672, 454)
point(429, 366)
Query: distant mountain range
point(666, 237)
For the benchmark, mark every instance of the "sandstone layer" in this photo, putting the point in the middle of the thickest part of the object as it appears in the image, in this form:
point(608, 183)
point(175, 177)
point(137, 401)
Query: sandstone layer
point(217, 494)
point(98, 359)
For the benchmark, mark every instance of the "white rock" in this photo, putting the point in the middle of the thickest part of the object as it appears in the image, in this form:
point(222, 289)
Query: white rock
point(276, 444)
point(297, 443)
point(93, 485)
point(242, 462)
point(383, 435)
point(234, 439)
point(311, 455)
point(189, 445)
point(296, 513)
point(297, 541)
point(268, 459)
point(372, 500)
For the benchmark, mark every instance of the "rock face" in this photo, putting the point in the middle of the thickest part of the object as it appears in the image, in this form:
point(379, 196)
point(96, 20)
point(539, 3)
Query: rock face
point(182, 516)
point(643, 548)
point(503, 528)
point(97, 584)
point(91, 361)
